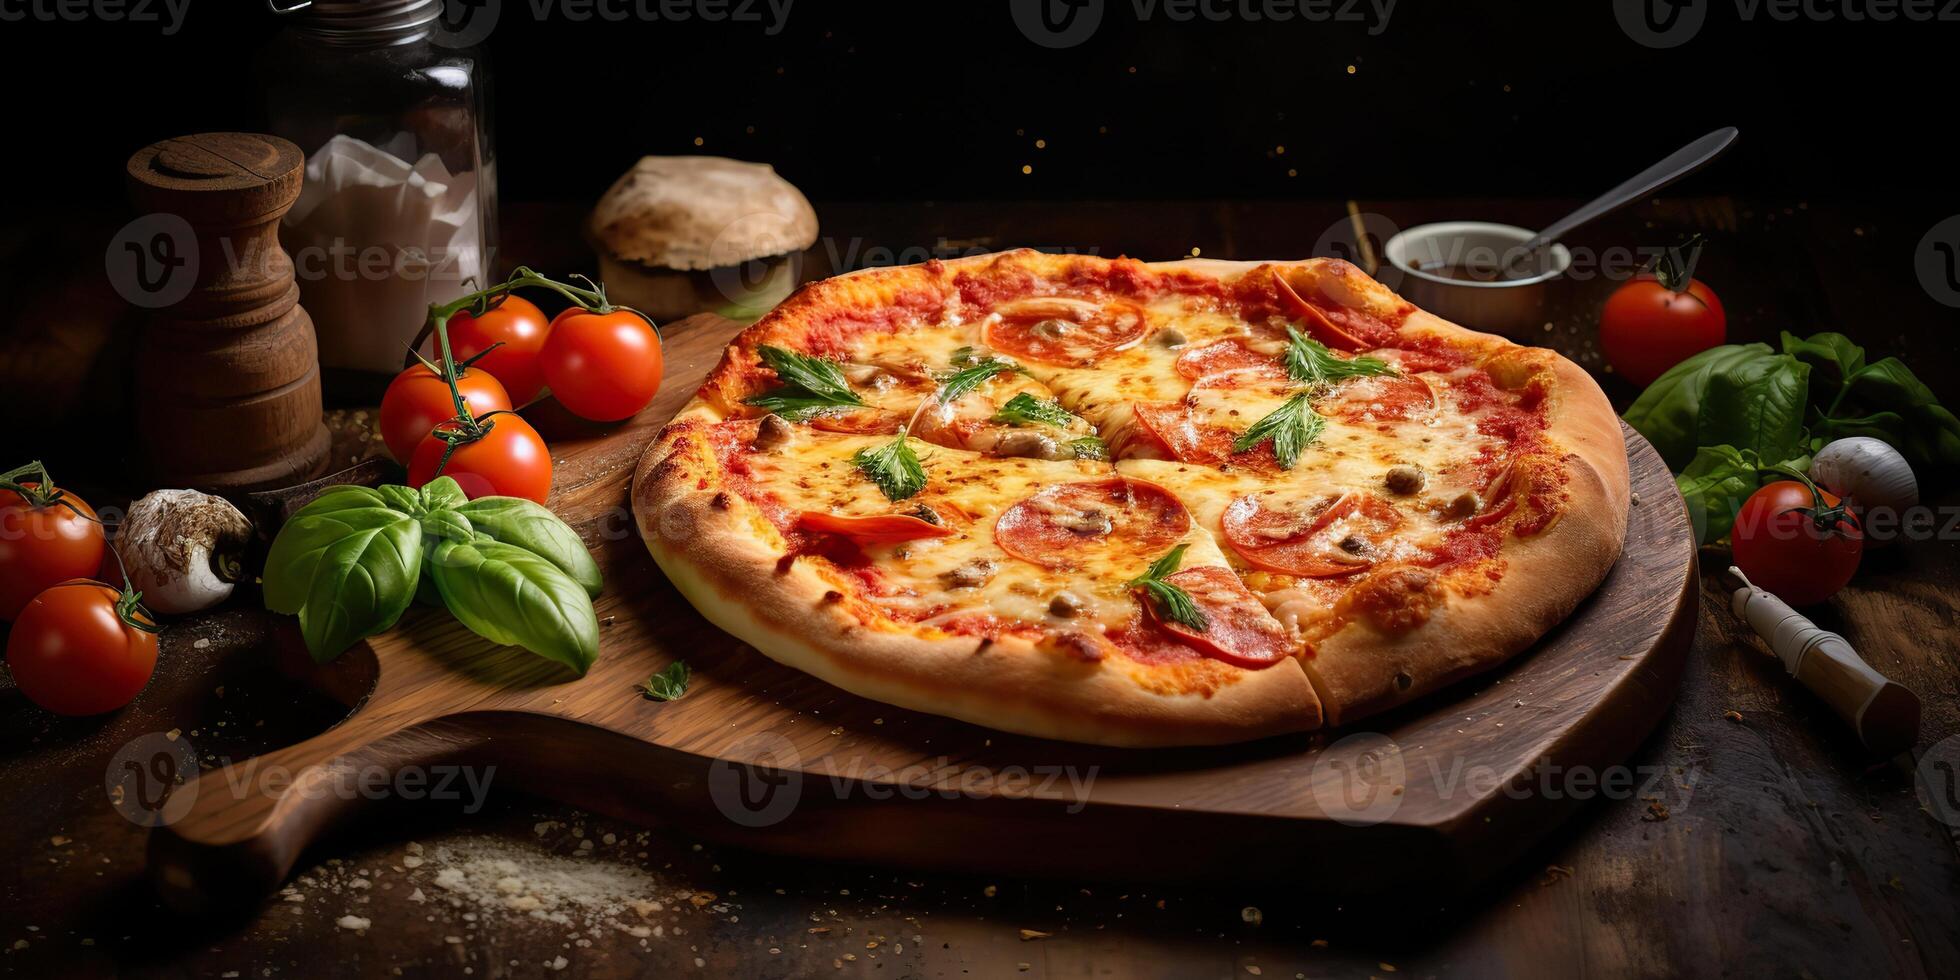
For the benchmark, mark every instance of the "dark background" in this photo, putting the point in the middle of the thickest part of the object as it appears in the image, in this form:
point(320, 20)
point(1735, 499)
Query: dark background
point(945, 100)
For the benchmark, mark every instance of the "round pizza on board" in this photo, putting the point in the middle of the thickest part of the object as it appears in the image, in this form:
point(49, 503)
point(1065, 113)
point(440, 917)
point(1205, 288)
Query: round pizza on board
point(1134, 503)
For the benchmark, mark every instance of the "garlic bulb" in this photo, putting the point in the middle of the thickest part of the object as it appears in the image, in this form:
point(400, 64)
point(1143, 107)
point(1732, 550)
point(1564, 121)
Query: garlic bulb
point(1871, 475)
point(183, 550)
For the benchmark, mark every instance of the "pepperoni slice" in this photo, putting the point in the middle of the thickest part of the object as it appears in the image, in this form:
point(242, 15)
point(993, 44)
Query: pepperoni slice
point(872, 528)
point(1062, 525)
point(1238, 629)
point(1225, 355)
point(1065, 331)
point(1340, 538)
point(1385, 398)
point(1315, 321)
point(1220, 407)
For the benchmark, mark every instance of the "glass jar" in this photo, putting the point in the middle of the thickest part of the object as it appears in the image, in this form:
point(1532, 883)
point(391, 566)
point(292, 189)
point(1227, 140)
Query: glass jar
point(399, 207)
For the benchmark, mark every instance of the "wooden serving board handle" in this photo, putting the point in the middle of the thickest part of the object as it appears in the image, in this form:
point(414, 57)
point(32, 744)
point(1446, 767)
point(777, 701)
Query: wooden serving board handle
point(247, 823)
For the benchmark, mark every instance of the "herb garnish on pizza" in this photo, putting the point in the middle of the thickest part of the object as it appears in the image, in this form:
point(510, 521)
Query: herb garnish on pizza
point(1134, 503)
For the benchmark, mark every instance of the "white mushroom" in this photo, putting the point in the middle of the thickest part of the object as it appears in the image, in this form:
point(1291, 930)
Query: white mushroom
point(182, 549)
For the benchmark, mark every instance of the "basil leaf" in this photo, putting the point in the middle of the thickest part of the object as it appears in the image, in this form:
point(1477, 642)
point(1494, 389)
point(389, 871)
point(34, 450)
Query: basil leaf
point(1832, 358)
point(1714, 487)
point(442, 493)
point(894, 467)
point(1089, 447)
point(669, 684)
point(1026, 409)
point(1927, 433)
point(1757, 404)
point(361, 584)
point(1669, 412)
point(511, 596)
point(337, 513)
point(528, 525)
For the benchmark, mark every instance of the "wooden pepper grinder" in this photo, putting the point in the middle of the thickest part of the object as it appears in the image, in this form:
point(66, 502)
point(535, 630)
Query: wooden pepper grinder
point(228, 376)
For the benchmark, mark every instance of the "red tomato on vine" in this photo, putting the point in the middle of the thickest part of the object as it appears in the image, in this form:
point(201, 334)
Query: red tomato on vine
point(1659, 320)
point(82, 648)
point(504, 342)
point(47, 536)
point(602, 366)
point(509, 459)
point(1797, 542)
point(419, 399)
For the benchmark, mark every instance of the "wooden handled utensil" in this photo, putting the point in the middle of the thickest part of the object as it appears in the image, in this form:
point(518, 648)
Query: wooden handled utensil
point(1883, 712)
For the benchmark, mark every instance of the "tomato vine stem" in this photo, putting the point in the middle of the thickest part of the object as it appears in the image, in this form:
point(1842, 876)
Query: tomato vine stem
point(463, 428)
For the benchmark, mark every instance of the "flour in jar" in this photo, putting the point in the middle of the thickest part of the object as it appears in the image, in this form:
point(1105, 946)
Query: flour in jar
point(374, 240)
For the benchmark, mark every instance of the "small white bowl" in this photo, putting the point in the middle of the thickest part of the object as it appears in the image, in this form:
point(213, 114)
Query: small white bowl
point(1510, 307)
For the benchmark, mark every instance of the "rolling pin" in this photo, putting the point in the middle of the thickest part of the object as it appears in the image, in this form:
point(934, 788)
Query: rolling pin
point(1884, 713)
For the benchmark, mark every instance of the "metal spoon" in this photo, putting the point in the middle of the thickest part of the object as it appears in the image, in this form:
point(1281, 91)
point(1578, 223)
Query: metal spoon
point(1677, 165)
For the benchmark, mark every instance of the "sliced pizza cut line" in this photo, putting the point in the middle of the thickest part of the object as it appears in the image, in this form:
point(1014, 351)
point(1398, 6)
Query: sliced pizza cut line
point(1360, 494)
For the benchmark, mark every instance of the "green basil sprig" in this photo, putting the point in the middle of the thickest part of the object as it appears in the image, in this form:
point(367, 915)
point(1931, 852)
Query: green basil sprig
point(1783, 405)
point(349, 563)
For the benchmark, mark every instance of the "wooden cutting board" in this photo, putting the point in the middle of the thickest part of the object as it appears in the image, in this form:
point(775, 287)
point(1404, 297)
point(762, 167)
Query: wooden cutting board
point(1438, 793)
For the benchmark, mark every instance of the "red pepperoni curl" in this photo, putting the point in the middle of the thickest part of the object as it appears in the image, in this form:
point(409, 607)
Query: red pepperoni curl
point(1238, 629)
point(872, 528)
point(1061, 526)
point(1225, 355)
point(1065, 333)
point(1310, 545)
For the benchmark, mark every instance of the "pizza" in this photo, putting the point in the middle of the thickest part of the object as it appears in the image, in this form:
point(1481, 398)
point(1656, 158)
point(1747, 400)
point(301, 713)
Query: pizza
point(1130, 503)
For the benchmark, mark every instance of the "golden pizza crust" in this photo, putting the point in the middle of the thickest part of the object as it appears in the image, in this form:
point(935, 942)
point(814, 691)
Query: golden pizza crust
point(718, 551)
point(712, 545)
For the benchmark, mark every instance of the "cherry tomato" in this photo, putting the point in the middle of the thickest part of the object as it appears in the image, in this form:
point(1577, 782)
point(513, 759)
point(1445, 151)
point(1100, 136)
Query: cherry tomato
point(1647, 327)
point(1802, 548)
point(42, 544)
point(602, 366)
point(509, 461)
point(74, 650)
point(519, 327)
point(418, 400)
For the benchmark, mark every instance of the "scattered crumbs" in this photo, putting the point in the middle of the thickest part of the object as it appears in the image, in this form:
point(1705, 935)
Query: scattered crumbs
point(353, 922)
point(1252, 969)
point(58, 840)
point(990, 891)
point(1734, 716)
point(1386, 967)
point(1032, 934)
point(202, 643)
point(1319, 944)
point(1250, 915)
point(1656, 812)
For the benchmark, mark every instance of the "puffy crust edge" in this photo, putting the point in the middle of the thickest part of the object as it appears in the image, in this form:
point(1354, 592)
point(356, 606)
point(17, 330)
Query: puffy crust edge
point(709, 543)
point(1362, 670)
point(732, 578)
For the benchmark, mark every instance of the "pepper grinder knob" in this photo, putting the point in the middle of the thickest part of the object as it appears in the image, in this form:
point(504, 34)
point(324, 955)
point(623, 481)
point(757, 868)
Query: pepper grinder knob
point(1884, 713)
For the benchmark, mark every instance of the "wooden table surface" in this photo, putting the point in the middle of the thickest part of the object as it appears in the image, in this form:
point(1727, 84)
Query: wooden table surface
point(1756, 843)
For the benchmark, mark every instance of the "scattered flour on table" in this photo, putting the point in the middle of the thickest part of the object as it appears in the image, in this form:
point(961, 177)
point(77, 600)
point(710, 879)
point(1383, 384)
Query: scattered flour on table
point(496, 877)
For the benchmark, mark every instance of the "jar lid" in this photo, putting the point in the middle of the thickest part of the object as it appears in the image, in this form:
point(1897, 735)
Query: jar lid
point(363, 20)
